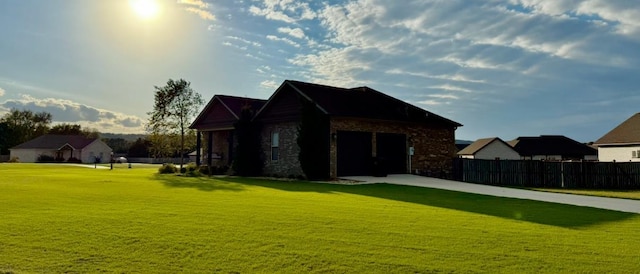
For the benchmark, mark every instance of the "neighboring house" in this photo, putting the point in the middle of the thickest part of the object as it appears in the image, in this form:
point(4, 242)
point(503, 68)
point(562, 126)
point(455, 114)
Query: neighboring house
point(553, 148)
point(622, 143)
point(363, 123)
point(62, 148)
point(215, 122)
point(489, 149)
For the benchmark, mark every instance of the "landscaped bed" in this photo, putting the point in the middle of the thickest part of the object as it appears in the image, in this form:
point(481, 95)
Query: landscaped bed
point(73, 219)
point(624, 194)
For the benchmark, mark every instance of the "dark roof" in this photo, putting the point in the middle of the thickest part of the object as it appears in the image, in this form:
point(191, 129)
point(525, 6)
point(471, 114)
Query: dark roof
point(364, 102)
point(233, 104)
point(551, 145)
point(626, 133)
point(479, 144)
point(50, 141)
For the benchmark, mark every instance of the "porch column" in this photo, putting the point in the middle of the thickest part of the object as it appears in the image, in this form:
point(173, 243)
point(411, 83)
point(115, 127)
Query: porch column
point(198, 146)
point(209, 148)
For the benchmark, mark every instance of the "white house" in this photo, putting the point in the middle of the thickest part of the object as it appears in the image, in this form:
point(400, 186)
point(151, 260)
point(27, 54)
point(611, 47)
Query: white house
point(62, 148)
point(489, 149)
point(621, 144)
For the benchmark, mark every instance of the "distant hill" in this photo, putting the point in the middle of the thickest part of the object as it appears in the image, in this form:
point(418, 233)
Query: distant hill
point(463, 142)
point(127, 137)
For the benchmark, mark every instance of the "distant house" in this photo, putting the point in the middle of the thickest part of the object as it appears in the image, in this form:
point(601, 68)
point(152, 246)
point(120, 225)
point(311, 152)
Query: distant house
point(362, 123)
point(62, 148)
point(489, 149)
point(553, 147)
point(215, 122)
point(621, 143)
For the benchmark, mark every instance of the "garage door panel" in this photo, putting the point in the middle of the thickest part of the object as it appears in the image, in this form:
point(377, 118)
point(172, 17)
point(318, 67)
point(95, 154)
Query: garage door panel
point(354, 153)
point(392, 149)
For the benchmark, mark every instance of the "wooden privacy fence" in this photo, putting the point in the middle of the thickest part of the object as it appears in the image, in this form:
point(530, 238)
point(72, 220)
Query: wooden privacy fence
point(528, 173)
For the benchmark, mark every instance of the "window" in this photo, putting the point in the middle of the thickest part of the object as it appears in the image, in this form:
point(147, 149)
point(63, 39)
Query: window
point(634, 154)
point(275, 144)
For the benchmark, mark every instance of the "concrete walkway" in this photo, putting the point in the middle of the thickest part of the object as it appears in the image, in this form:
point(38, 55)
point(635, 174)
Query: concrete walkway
point(624, 205)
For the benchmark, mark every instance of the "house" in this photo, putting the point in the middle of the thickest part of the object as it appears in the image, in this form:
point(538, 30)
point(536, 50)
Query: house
point(215, 122)
point(489, 149)
point(362, 123)
point(622, 143)
point(62, 148)
point(553, 147)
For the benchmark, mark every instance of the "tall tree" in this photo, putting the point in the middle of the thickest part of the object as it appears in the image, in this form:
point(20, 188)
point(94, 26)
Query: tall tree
point(176, 104)
point(25, 125)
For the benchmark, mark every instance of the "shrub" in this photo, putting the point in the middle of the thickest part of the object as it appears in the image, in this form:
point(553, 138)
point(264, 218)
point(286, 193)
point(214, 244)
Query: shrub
point(74, 160)
point(191, 167)
point(221, 170)
point(204, 170)
point(45, 159)
point(14, 160)
point(183, 170)
point(59, 159)
point(167, 168)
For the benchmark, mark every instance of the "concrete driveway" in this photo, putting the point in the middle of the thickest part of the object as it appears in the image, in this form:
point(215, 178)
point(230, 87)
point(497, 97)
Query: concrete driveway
point(624, 205)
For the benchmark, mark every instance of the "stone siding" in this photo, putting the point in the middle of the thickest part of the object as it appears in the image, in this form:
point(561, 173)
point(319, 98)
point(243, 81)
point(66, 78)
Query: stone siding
point(434, 147)
point(287, 163)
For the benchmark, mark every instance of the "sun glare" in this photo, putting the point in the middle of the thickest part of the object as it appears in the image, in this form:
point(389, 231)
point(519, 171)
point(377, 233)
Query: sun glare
point(145, 9)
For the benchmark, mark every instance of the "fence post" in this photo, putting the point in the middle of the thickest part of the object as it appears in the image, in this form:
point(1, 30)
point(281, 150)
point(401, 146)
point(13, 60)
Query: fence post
point(562, 174)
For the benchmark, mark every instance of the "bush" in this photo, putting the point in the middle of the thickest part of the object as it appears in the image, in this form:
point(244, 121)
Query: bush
point(203, 170)
point(191, 167)
point(45, 159)
point(14, 160)
point(74, 160)
point(59, 159)
point(167, 168)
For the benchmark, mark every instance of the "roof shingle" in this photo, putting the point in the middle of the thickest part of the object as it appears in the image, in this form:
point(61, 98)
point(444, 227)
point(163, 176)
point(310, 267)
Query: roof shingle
point(628, 132)
point(52, 141)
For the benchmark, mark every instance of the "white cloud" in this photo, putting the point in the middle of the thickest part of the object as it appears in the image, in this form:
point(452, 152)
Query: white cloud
point(198, 7)
point(444, 96)
point(269, 84)
point(287, 11)
point(2, 92)
point(198, 3)
point(450, 88)
point(285, 40)
point(66, 111)
point(297, 32)
point(204, 14)
point(253, 43)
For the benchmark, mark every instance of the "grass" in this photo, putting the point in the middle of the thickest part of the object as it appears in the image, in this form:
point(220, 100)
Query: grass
point(624, 194)
point(74, 219)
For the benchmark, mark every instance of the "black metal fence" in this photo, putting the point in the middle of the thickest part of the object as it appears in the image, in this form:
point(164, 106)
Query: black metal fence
point(544, 174)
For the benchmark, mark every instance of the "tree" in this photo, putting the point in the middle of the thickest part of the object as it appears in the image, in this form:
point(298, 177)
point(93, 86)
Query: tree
point(24, 125)
point(74, 129)
point(313, 140)
point(139, 148)
point(175, 105)
point(247, 160)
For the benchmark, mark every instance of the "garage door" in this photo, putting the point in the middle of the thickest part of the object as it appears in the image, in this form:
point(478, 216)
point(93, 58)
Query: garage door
point(392, 148)
point(354, 153)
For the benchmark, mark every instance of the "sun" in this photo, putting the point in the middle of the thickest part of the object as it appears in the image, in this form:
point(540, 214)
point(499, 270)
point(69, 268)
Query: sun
point(145, 9)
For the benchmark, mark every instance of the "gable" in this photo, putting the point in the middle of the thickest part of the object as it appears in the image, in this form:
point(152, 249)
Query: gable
point(215, 115)
point(628, 132)
point(283, 106)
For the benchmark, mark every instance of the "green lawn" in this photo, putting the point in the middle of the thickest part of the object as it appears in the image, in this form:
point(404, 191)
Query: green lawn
point(625, 194)
point(74, 219)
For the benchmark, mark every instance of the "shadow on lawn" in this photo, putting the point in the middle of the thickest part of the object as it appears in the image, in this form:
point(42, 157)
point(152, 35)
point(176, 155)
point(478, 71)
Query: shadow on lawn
point(546, 213)
point(200, 183)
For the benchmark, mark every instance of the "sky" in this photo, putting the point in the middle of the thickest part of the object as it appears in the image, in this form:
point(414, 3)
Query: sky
point(502, 68)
